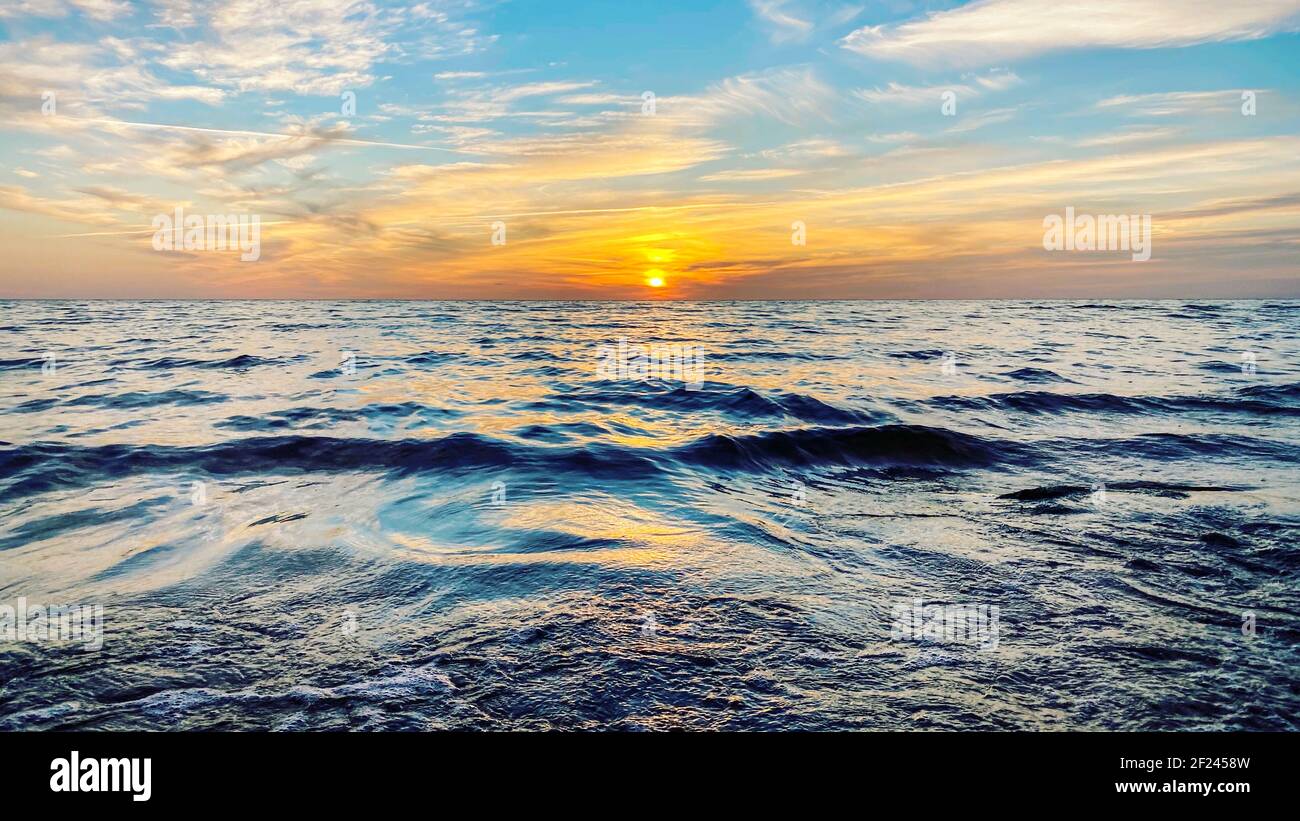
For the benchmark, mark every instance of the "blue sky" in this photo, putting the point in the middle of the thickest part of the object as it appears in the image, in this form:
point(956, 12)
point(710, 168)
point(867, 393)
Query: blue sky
point(766, 114)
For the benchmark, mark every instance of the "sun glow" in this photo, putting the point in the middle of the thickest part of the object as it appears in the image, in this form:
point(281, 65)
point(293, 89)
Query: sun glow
point(655, 279)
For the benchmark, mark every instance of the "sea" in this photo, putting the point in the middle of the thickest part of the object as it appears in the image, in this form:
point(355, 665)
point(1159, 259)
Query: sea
point(820, 515)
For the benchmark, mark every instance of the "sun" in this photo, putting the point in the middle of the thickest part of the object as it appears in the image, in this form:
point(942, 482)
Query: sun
point(654, 278)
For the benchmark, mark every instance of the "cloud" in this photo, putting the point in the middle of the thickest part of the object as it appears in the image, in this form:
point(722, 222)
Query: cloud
point(997, 115)
point(994, 31)
point(811, 149)
point(101, 10)
point(795, 20)
point(972, 86)
point(789, 95)
point(539, 89)
point(462, 136)
point(896, 137)
point(784, 25)
point(1132, 135)
point(177, 14)
point(88, 75)
point(308, 46)
point(653, 149)
point(481, 105)
point(89, 209)
point(1172, 103)
point(118, 199)
point(1282, 202)
point(752, 175)
point(600, 99)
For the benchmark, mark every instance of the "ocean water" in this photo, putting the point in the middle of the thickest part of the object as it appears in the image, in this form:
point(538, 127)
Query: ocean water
point(424, 515)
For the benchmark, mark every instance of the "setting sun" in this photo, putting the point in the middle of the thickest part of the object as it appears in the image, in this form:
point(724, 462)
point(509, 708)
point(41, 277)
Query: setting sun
point(655, 280)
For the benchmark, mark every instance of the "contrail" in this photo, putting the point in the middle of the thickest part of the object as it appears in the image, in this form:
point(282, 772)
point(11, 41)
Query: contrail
point(240, 133)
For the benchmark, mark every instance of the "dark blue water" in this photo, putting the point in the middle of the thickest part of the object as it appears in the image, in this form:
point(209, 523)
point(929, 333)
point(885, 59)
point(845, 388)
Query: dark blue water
point(417, 515)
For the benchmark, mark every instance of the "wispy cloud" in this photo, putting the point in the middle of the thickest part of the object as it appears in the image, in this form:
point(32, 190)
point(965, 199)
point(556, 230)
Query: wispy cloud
point(996, 31)
point(309, 46)
point(1172, 103)
point(813, 148)
point(895, 137)
point(982, 119)
point(783, 23)
point(796, 20)
point(90, 75)
point(305, 135)
point(796, 96)
point(970, 86)
point(94, 9)
point(1127, 136)
point(483, 105)
point(753, 174)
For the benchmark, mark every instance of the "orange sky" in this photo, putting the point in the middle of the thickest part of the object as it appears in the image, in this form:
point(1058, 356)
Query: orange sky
point(701, 197)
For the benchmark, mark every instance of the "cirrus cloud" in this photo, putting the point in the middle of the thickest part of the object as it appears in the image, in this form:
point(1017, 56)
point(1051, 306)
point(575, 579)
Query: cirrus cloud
point(997, 30)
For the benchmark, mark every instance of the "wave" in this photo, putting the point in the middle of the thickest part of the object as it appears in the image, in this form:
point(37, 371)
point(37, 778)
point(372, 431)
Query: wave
point(742, 403)
point(20, 363)
point(911, 445)
point(1164, 446)
point(1050, 492)
point(50, 527)
point(398, 686)
point(924, 355)
point(131, 400)
point(304, 417)
point(1272, 393)
point(1037, 375)
point(41, 467)
point(241, 362)
point(771, 356)
point(46, 466)
point(1047, 402)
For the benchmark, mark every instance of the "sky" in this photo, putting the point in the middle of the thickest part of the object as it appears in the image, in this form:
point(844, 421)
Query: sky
point(677, 149)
